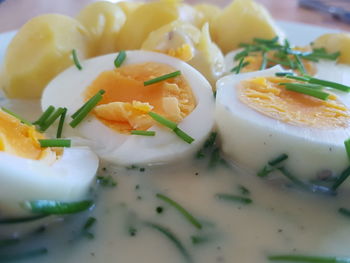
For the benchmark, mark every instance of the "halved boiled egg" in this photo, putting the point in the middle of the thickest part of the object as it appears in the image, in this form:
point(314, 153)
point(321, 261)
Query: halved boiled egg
point(185, 99)
point(29, 172)
point(258, 120)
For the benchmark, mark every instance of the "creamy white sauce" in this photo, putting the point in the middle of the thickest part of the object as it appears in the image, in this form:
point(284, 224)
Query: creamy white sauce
point(279, 220)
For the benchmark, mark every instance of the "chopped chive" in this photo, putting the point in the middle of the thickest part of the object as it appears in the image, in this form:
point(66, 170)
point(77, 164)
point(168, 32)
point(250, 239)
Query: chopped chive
point(265, 171)
point(347, 147)
point(120, 59)
point(76, 60)
point(266, 41)
point(23, 255)
point(182, 210)
point(167, 123)
point(50, 120)
point(244, 190)
point(161, 78)
point(75, 114)
point(55, 143)
point(57, 208)
point(85, 110)
point(343, 176)
point(290, 76)
point(304, 89)
point(264, 61)
point(344, 211)
point(16, 116)
point(280, 62)
point(143, 133)
point(88, 224)
point(210, 141)
point(19, 220)
point(45, 115)
point(329, 84)
point(308, 259)
point(239, 67)
point(278, 159)
point(197, 240)
point(235, 198)
point(61, 123)
point(107, 181)
point(183, 135)
point(215, 158)
point(9, 242)
point(299, 64)
point(173, 238)
point(283, 74)
point(240, 55)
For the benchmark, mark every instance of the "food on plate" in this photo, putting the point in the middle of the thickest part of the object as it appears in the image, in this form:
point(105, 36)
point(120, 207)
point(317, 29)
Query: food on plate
point(246, 14)
point(194, 46)
point(103, 21)
point(128, 103)
point(263, 113)
point(335, 42)
point(129, 7)
point(30, 171)
point(40, 50)
point(208, 13)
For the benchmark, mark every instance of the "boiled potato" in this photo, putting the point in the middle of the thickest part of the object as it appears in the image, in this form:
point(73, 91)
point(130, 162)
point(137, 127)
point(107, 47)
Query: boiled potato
point(191, 15)
point(209, 12)
point(40, 50)
point(145, 19)
point(103, 20)
point(240, 22)
point(335, 42)
point(129, 7)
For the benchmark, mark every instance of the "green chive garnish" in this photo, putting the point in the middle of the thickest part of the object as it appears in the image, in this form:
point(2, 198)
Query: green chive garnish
point(23, 255)
point(45, 115)
point(86, 108)
point(16, 116)
point(20, 220)
point(57, 208)
point(183, 135)
point(329, 84)
point(278, 159)
point(167, 123)
point(76, 60)
point(343, 176)
point(55, 143)
point(61, 123)
point(237, 69)
point(301, 88)
point(50, 120)
point(307, 259)
point(299, 64)
point(173, 238)
point(266, 41)
point(235, 198)
point(344, 211)
point(120, 59)
point(182, 210)
point(347, 147)
point(161, 78)
point(143, 133)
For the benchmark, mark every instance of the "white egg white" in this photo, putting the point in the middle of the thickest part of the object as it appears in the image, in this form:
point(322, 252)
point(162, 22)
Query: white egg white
point(68, 179)
point(252, 139)
point(67, 90)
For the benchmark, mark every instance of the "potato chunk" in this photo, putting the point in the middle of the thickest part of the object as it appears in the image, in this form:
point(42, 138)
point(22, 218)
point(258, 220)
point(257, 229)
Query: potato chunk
point(335, 42)
point(209, 12)
point(129, 7)
point(40, 50)
point(103, 20)
point(145, 19)
point(240, 22)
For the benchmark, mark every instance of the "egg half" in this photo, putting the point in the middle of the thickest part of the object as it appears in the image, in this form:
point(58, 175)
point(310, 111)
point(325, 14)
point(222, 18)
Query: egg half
point(29, 172)
point(259, 120)
point(186, 99)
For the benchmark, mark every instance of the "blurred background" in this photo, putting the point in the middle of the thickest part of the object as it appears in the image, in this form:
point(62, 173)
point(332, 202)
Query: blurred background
point(325, 13)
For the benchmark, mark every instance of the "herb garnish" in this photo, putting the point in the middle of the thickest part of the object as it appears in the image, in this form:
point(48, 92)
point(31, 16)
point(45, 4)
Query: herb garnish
point(161, 78)
point(87, 226)
point(143, 133)
point(16, 116)
point(307, 259)
point(55, 142)
point(61, 123)
point(51, 119)
point(182, 210)
point(23, 255)
point(47, 207)
point(235, 198)
point(306, 89)
point(76, 60)
point(120, 59)
point(107, 181)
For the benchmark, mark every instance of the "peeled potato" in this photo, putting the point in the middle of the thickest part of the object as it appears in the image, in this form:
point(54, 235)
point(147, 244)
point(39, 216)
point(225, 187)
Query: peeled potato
point(191, 15)
point(335, 42)
point(145, 19)
point(129, 7)
point(240, 22)
point(103, 20)
point(40, 50)
point(209, 12)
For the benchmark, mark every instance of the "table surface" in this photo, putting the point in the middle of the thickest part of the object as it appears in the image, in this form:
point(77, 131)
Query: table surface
point(14, 13)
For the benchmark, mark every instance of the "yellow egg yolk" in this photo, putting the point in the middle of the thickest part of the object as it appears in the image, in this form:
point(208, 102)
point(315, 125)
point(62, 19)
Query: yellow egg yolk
point(255, 60)
point(183, 52)
point(273, 100)
point(21, 140)
point(126, 102)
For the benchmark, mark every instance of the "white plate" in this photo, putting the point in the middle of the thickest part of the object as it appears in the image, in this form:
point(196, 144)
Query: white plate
point(297, 33)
